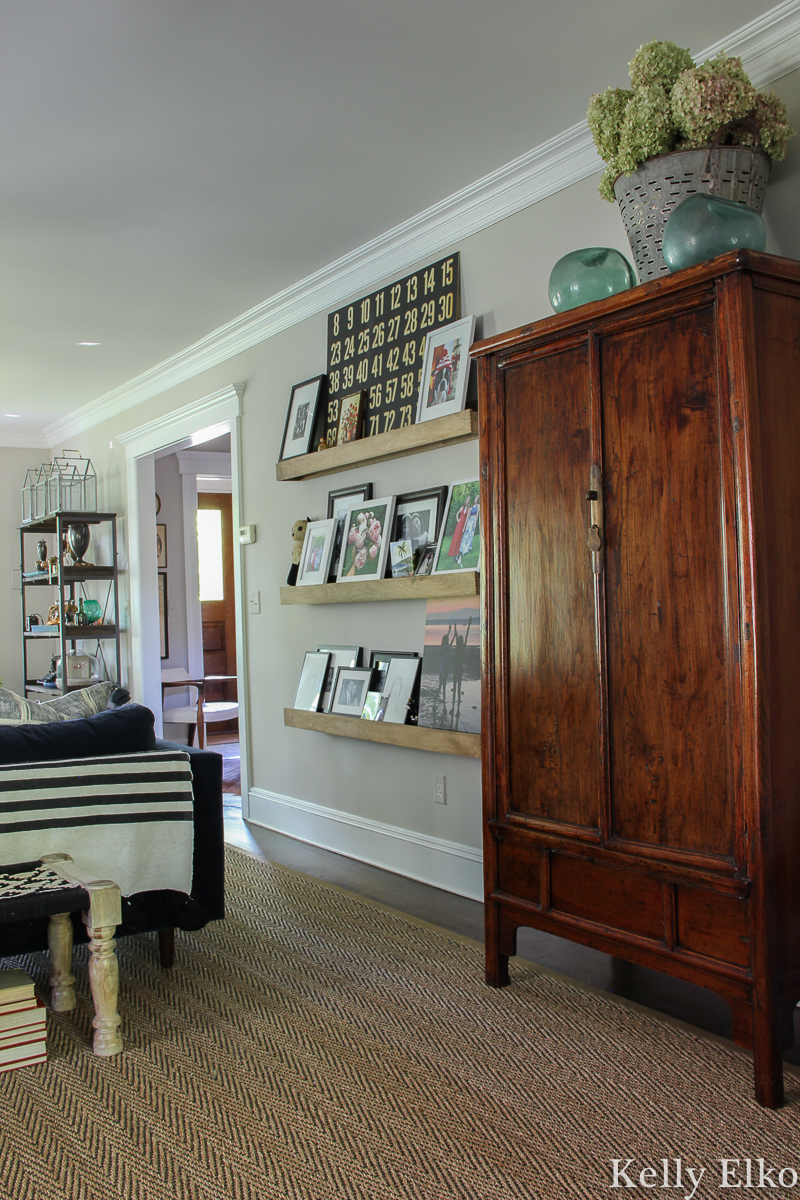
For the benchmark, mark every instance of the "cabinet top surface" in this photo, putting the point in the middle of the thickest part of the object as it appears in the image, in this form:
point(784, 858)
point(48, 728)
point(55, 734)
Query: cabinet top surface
point(666, 287)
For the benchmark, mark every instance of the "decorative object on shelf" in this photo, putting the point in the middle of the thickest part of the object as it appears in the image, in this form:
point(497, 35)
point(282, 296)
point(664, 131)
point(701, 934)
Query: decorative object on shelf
point(426, 559)
point(400, 689)
point(323, 445)
point(312, 679)
point(49, 679)
point(32, 620)
point(380, 340)
point(683, 129)
point(459, 547)
point(445, 370)
point(341, 656)
point(70, 609)
point(298, 537)
point(34, 495)
point(81, 669)
point(41, 550)
point(418, 515)
point(78, 541)
point(339, 501)
point(315, 558)
point(594, 273)
point(71, 484)
point(350, 691)
point(701, 227)
point(365, 545)
point(351, 410)
point(81, 617)
point(301, 417)
point(450, 685)
point(93, 610)
point(401, 556)
point(161, 547)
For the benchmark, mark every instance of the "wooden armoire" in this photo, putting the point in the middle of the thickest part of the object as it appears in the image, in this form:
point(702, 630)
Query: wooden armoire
point(640, 476)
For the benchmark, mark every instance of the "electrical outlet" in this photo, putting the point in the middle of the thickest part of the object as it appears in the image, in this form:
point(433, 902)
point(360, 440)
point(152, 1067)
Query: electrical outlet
point(254, 601)
point(439, 790)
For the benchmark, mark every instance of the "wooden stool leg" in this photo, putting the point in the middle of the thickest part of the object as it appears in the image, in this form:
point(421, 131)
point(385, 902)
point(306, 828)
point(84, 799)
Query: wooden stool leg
point(101, 923)
point(62, 981)
point(166, 946)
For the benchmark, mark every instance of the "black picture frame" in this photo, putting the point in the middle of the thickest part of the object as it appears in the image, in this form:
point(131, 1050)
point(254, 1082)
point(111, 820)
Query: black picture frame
point(376, 660)
point(356, 491)
point(303, 407)
point(408, 500)
point(345, 675)
point(163, 618)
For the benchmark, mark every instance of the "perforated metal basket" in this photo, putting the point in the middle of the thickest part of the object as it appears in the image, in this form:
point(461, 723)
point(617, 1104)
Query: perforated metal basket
point(648, 196)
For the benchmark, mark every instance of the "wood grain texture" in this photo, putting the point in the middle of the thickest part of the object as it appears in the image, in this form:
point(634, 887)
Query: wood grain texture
point(413, 439)
point(641, 744)
point(421, 587)
point(413, 737)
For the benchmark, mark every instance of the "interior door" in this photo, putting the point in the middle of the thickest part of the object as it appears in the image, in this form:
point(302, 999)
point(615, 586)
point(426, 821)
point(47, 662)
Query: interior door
point(219, 611)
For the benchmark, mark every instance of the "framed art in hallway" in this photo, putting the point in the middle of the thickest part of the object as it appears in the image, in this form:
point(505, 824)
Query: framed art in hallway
point(418, 515)
point(341, 656)
point(339, 501)
point(312, 679)
point(161, 547)
point(315, 558)
point(351, 410)
point(301, 417)
point(163, 619)
point(459, 547)
point(366, 536)
point(350, 691)
point(445, 371)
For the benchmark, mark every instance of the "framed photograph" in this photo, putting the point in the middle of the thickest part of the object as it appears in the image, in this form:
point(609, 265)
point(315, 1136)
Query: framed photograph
point(459, 546)
point(300, 418)
point(450, 683)
point(379, 664)
point(365, 540)
point(339, 501)
point(426, 559)
point(401, 556)
point(445, 370)
point(418, 515)
point(312, 678)
point(374, 707)
point(350, 691)
point(400, 690)
point(315, 558)
point(351, 410)
point(341, 656)
point(163, 621)
point(161, 547)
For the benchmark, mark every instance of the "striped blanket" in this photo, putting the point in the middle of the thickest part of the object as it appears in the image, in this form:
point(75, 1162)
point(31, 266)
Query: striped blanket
point(125, 817)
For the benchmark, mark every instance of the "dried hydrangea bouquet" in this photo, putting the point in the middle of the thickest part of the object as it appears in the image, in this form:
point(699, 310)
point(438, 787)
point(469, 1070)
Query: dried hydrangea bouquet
point(674, 107)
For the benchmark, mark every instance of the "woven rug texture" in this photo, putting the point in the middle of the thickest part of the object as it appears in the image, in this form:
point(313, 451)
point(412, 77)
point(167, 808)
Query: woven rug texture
point(315, 1045)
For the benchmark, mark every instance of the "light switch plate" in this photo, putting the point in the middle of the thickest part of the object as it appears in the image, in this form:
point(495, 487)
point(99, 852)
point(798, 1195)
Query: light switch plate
point(254, 602)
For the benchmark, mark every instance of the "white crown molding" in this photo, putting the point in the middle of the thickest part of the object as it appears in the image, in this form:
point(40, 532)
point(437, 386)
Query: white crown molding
point(769, 47)
point(24, 440)
point(182, 422)
point(435, 861)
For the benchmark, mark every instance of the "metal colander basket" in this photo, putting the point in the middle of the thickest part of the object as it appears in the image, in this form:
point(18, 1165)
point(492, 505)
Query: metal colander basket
point(648, 196)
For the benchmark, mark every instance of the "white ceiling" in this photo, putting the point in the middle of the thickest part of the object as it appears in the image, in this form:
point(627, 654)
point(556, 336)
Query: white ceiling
point(165, 165)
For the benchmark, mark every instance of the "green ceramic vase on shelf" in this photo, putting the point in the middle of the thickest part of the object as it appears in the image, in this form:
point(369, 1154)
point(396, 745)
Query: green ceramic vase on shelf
point(93, 610)
point(594, 273)
point(701, 227)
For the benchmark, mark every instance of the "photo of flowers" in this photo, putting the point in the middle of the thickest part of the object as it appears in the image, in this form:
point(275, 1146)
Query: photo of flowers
point(367, 532)
point(350, 412)
point(459, 546)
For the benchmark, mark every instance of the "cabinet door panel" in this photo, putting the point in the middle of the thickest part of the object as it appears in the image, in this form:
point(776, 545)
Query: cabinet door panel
point(553, 706)
point(667, 588)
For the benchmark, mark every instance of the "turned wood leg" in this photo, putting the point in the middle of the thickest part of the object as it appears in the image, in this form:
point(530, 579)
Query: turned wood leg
point(166, 946)
point(62, 981)
point(101, 924)
point(496, 963)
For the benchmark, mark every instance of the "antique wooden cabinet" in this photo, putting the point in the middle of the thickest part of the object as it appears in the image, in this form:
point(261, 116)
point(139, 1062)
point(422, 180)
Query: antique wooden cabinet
point(640, 474)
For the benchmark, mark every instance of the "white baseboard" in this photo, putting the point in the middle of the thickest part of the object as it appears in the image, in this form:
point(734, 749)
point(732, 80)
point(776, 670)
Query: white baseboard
point(442, 864)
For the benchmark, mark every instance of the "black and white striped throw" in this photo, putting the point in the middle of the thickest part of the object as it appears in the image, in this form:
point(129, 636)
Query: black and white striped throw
point(125, 817)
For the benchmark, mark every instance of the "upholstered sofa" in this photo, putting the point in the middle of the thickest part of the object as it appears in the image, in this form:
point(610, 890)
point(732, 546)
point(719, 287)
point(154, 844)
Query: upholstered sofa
point(129, 730)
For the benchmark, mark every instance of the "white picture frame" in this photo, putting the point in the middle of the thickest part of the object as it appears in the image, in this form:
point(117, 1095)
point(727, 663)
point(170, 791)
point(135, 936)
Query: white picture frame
point(460, 527)
point(365, 548)
point(312, 678)
point(315, 558)
point(398, 689)
point(301, 417)
point(445, 370)
point(350, 691)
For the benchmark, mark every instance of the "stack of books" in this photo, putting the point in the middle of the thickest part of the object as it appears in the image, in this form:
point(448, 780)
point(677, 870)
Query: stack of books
point(22, 1022)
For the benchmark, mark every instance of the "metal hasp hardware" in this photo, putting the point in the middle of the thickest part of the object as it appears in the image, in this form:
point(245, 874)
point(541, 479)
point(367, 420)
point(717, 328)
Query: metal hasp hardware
point(594, 538)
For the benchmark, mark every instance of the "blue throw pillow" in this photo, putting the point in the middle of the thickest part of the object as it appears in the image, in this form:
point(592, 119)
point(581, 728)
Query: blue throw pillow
point(126, 730)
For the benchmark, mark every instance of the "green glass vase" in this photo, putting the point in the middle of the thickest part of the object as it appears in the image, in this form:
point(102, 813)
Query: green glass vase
point(594, 273)
point(701, 227)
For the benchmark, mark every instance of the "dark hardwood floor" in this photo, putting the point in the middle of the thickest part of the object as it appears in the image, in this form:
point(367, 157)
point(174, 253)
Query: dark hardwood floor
point(667, 995)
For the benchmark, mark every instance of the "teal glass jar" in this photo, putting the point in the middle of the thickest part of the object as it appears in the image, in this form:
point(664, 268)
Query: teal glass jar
point(594, 273)
point(93, 611)
point(701, 227)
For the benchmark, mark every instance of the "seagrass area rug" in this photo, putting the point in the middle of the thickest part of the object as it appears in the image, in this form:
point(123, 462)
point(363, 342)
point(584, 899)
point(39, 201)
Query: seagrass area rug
point(318, 1045)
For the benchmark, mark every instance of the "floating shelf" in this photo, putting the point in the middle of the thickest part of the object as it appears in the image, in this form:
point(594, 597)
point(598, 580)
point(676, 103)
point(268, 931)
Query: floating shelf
point(413, 439)
point(413, 737)
point(415, 587)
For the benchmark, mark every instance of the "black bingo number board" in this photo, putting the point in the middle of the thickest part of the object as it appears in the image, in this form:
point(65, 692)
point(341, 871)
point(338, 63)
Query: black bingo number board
point(377, 345)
